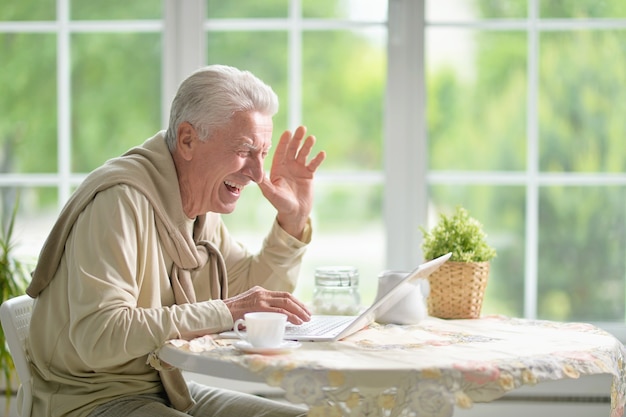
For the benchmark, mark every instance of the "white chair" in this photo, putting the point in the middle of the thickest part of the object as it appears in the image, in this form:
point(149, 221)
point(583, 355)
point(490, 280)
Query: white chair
point(15, 318)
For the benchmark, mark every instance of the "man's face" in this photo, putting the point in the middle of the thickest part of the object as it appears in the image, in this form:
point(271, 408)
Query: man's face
point(228, 160)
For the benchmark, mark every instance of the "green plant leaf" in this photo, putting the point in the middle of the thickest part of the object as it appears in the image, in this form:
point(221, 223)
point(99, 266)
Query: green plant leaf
point(460, 234)
point(13, 281)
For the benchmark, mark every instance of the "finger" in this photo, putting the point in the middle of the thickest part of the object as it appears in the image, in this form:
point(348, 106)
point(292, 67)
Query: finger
point(300, 132)
point(294, 306)
point(294, 143)
point(305, 150)
point(301, 306)
point(317, 161)
point(281, 149)
point(296, 318)
point(296, 311)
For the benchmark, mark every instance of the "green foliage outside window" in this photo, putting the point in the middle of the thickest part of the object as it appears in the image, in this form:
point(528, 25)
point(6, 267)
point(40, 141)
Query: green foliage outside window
point(476, 121)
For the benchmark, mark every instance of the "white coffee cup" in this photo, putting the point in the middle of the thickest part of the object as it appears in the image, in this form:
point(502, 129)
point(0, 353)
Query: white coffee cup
point(263, 329)
point(411, 309)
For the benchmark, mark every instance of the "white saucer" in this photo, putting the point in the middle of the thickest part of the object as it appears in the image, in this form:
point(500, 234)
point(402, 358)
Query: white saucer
point(284, 347)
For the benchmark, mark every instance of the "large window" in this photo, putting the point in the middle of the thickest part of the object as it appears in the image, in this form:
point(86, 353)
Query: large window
point(88, 80)
point(326, 60)
point(81, 83)
point(512, 109)
point(525, 128)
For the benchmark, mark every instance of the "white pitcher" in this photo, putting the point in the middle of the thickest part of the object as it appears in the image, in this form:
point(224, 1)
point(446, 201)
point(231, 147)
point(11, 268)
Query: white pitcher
point(411, 309)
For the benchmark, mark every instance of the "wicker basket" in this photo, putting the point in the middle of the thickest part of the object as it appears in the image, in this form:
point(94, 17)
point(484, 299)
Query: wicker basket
point(457, 290)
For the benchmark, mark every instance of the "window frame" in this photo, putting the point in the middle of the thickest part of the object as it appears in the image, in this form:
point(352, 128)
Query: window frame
point(532, 178)
point(405, 173)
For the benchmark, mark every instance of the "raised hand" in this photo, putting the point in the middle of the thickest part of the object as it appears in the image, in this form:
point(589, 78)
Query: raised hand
point(289, 187)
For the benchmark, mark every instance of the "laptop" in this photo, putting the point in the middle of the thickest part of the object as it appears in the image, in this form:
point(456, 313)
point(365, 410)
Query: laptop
point(322, 328)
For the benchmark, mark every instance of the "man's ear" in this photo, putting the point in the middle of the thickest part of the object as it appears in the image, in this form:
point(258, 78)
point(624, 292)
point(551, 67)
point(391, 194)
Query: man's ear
point(186, 138)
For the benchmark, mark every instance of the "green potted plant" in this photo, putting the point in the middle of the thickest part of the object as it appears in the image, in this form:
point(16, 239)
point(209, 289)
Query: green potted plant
point(13, 281)
point(457, 288)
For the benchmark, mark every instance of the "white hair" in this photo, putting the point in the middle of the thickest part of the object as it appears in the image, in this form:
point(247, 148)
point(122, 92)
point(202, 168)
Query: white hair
point(209, 98)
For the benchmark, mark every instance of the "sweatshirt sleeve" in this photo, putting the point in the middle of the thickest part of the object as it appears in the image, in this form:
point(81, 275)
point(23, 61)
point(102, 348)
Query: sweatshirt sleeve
point(275, 267)
point(121, 302)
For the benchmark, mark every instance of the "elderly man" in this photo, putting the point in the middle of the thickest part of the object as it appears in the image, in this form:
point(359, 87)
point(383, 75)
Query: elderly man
point(140, 255)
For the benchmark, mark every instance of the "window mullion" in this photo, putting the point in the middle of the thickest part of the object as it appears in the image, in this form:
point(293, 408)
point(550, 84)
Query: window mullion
point(63, 101)
point(294, 71)
point(405, 149)
point(184, 46)
point(532, 169)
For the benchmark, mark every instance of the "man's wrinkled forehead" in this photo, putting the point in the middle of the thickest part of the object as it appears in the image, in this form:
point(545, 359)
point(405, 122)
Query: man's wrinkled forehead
point(253, 147)
point(250, 129)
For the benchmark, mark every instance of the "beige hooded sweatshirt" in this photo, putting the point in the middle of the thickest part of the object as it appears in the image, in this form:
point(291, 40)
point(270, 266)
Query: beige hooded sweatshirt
point(122, 271)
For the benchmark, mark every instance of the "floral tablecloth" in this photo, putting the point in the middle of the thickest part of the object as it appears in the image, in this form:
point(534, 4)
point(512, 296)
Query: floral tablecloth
point(430, 368)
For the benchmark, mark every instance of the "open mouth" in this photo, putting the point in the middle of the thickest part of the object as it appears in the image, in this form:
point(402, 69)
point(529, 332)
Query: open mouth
point(233, 187)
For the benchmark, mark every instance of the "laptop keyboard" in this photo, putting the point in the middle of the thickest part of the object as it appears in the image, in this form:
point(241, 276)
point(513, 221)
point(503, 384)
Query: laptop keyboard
point(319, 325)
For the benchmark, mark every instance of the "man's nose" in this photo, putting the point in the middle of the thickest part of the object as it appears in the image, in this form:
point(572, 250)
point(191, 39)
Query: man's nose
point(256, 170)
